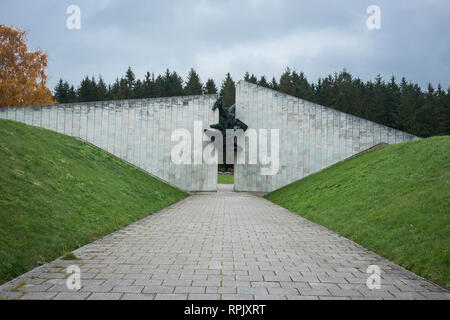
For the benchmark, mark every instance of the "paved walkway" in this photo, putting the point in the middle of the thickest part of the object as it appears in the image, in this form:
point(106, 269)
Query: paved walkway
point(222, 246)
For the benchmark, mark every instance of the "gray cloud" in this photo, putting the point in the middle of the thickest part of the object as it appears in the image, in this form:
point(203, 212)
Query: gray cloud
point(259, 36)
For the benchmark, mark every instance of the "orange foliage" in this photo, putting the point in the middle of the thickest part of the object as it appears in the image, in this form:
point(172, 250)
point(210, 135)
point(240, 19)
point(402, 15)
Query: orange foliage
point(22, 72)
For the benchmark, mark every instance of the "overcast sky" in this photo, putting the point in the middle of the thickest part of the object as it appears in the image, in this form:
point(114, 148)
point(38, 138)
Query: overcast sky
point(219, 36)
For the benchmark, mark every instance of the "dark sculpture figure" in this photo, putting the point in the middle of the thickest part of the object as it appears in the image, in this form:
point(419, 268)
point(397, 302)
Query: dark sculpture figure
point(227, 120)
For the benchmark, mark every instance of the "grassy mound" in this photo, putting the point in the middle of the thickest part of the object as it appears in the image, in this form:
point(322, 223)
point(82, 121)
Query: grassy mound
point(225, 179)
point(394, 201)
point(58, 193)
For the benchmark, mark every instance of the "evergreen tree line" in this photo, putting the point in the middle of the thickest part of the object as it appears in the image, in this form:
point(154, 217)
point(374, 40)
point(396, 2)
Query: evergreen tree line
point(128, 87)
point(402, 105)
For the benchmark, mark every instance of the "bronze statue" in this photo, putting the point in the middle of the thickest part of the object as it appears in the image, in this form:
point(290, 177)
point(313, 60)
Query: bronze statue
point(227, 120)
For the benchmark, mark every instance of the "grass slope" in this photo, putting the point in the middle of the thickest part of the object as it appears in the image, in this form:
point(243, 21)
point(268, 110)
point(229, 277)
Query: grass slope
point(58, 193)
point(225, 179)
point(394, 201)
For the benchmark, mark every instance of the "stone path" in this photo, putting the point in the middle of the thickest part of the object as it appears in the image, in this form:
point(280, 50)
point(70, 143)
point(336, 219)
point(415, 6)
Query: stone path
point(222, 246)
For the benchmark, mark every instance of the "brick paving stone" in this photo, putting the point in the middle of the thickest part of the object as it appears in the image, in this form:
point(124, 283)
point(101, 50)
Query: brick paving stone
point(345, 293)
point(265, 284)
point(432, 295)
point(252, 290)
point(193, 277)
point(58, 288)
point(198, 296)
point(314, 292)
point(206, 283)
point(148, 283)
point(235, 284)
point(226, 290)
point(158, 289)
point(177, 283)
point(141, 296)
point(222, 245)
point(38, 287)
point(295, 297)
point(190, 289)
point(227, 296)
point(10, 295)
point(71, 296)
point(105, 296)
point(109, 276)
point(116, 282)
point(334, 298)
point(175, 296)
point(270, 297)
point(137, 276)
point(96, 288)
point(128, 289)
point(283, 291)
point(38, 296)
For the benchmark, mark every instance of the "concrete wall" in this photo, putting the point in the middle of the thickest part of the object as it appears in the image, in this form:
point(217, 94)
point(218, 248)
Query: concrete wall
point(137, 131)
point(312, 137)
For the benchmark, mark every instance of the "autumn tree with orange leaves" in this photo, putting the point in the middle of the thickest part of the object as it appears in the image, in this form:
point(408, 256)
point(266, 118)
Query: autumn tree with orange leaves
point(23, 81)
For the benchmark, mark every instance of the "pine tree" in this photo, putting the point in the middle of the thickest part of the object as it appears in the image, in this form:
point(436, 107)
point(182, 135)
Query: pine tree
point(93, 93)
point(130, 80)
point(405, 116)
point(175, 85)
point(443, 101)
point(149, 85)
point(210, 87)
point(393, 100)
point(343, 92)
point(72, 94)
point(263, 82)
point(442, 109)
point(87, 90)
point(274, 84)
point(160, 85)
point(377, 109)
point(253, 79)
point(193, 84)
point(247, 76)
point(228, 91)
point(446, 106)
point(432, 113)
point(114, 90)
point(323, 91)
point(102, 90)
point(61, 91)
point(286, 85)
point(301, 87)
point(138, 91)
point(250, 78)
point(124, 89)
point(359, 98)
point(318, 91)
